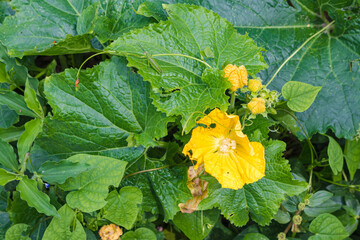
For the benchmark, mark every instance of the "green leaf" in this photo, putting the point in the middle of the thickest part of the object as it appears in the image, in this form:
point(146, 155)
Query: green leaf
point(89, 189)
point(260, 199)
point(319, 197)
point(327, 206)
point(300, 95)
point(197, 225)
point(187, 86)
point(26, 140)
point(62, 228)
point(58, 172)
point(7, 116)
point(11, 134)
point(64, 24)
point(6, 177)
point(15, 102)
point(257, 236)
point(31, 100)
point(85, 22)
point(119, 105)
point(122, 208)
point(328, 60)
point(30, 193)
point(20, 212)
point(139, 234)
point(327, 227)
point(7, 156)
point(118, 17)
point(282, 216)
point(11, 70)
point(336, 157)
point(16, 232)
point(352, 156)
point(162, 189)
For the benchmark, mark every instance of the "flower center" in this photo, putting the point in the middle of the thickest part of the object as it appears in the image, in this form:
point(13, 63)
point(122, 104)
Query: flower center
point(227, 144)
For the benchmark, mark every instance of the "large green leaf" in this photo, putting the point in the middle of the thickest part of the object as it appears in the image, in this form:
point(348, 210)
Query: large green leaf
point(260, 199)
point(62, 228)
point(69, 23)
point(197, 225)
point(327, 227)
point(111, 104)
point(58, 172)
point(7, 156)
point(34, 197)
point(187, 86)
point(122, 208)
point(16, 232)
point(164, 187)
point(89, 189)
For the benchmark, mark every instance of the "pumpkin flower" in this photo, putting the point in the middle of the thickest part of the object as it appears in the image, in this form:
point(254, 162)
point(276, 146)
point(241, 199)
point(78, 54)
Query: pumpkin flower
point(238, 76)
point(254, 85)
point(257, 105)
point(110, 232)
point(227, 153)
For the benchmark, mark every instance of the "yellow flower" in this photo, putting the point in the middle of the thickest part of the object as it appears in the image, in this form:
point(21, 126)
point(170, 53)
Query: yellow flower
point(255, 85)
point(238, 76)
point(227, 153)
point(257, 105)
point(110, 232)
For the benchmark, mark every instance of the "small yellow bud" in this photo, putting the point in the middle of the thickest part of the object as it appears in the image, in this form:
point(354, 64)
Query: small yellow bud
point(110, 232)
point(256, 105)
point(301, 206)
point(281, 236)
point(238, 76)
point(255, 85)
point(307, 201)
point(297, 219)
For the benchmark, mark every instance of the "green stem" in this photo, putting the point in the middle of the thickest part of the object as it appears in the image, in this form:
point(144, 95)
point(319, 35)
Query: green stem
point(148, 170)
point(335, 183)
point(232, 102)
point(181, 55)
point(99, 53)
point(41, 73)
point(311, 146)
point(297, 50)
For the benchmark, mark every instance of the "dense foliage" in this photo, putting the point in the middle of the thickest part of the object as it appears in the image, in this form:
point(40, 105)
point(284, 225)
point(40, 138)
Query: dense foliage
point(103, 103)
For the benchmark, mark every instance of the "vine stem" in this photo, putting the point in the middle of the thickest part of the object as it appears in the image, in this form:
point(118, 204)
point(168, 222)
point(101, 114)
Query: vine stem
point(297, 50)
point(311, 146)
point(148, 170)
point(99, 53)
point(181, 55)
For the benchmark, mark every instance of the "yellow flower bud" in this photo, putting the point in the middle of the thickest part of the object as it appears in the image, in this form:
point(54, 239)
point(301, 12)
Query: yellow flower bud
point(256, 105)
point(238, 76)
point(255, 85)
point(110, 232)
